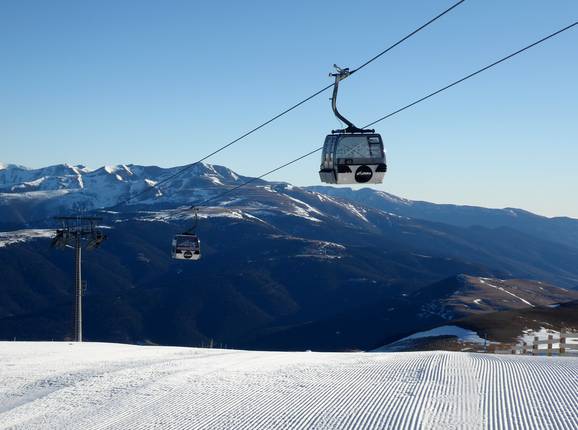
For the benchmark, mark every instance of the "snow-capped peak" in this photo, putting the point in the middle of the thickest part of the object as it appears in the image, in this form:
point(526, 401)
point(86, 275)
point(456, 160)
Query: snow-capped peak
point(69, 185)
point(8, 166)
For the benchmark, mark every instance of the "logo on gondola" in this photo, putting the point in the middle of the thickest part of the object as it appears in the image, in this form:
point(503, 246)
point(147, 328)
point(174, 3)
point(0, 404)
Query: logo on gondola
point(188, 254)
point(363, 174)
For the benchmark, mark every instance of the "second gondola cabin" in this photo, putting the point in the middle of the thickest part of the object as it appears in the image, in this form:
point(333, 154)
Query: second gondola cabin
point(353, 158)
point(186, 246)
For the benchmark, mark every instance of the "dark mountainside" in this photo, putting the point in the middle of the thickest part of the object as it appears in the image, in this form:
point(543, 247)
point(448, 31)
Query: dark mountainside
point(502, 329)
point(282, 267)
point(506, 326)
point(449, 301)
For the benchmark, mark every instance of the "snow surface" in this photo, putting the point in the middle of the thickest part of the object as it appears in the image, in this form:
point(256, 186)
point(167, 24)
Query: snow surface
point(460, 333)
point(448, 330)
point(106, 386)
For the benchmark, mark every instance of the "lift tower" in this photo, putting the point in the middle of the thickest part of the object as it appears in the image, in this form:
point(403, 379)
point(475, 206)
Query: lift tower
point(78, 232)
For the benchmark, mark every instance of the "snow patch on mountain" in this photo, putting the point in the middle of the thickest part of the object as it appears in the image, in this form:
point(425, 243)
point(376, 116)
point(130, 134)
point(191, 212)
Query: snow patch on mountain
point(20, 236)
point(323, 197)
point(485, 281)
point(462, 335)
point(448, 330)
point(187, 214)
point(302, 213)
point(357, 212)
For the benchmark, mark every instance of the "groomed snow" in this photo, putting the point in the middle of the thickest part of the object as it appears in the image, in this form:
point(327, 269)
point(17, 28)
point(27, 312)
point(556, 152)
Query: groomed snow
point(108, 386)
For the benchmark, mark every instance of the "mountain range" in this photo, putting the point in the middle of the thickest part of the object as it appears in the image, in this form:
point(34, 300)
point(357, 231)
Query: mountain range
point(278, 261)
point(557, 229)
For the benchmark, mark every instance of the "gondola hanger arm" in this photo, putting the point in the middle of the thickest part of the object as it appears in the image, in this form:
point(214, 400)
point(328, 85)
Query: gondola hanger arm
point(191, 230)
point(342, 73)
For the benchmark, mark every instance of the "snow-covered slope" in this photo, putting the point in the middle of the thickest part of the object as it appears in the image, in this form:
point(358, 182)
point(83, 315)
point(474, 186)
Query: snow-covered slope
point(108, 386)
point(413, 342)
point(12, 237)
point(78, 187)
point(30, 197)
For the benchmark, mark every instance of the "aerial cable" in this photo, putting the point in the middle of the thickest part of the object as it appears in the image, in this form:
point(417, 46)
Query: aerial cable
point(204, 202)
point(286, 111)
point(224, 193)
point(399, 42)
point(189, 166)
point(471, 75)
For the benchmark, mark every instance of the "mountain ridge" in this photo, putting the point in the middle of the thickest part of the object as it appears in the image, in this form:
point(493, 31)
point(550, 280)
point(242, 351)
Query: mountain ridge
point(560, 229)
point(274, 255)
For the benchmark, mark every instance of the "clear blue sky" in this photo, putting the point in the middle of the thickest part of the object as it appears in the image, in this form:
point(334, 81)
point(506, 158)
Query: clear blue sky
point(166, 82)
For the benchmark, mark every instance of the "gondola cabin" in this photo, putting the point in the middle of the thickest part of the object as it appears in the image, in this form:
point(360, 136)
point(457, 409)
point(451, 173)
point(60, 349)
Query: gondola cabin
point(353, 158)
point(186, 247)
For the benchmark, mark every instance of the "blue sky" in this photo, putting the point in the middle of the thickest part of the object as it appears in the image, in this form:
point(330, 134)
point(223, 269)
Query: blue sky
point(166, 82)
